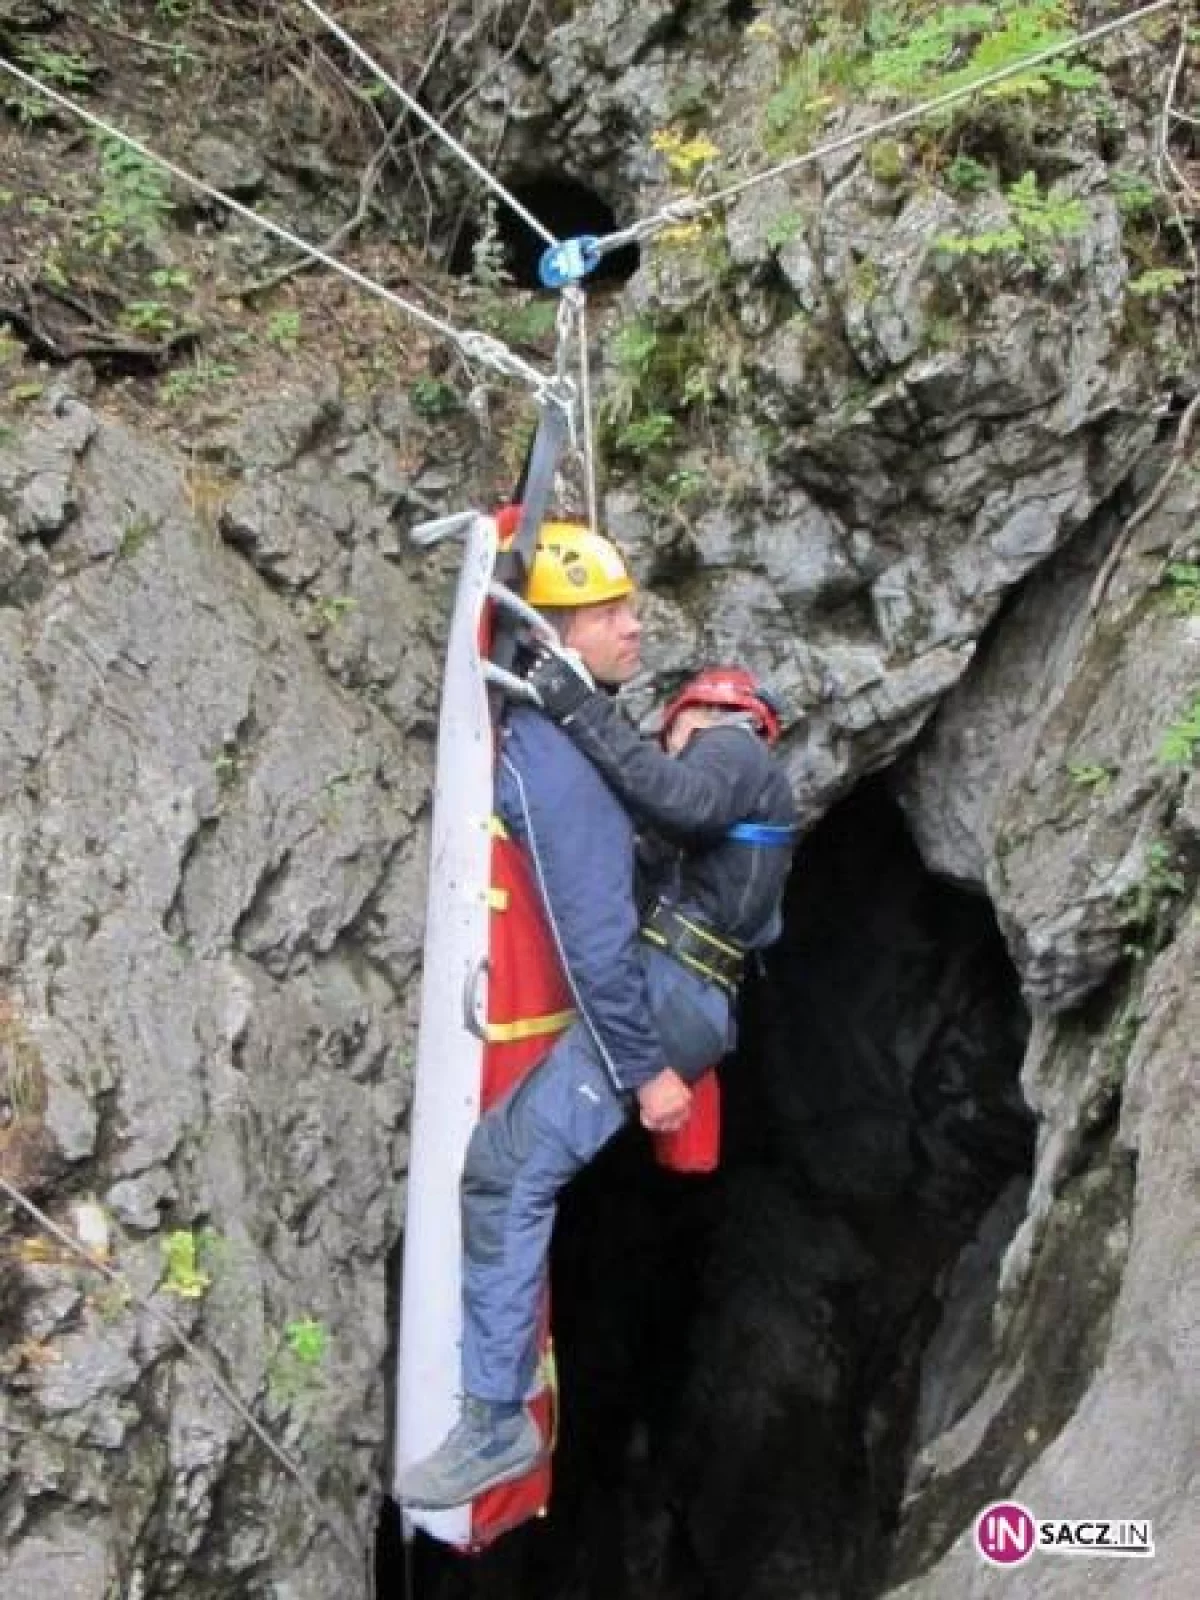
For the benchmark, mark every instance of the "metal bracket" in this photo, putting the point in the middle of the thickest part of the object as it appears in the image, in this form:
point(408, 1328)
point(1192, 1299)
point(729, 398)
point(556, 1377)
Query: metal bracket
point(454, 526)
point(474, 1015)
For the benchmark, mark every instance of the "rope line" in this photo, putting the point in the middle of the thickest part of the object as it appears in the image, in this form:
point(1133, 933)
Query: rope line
point(678, 211)
point(348, 1542)
point(474, 344)
point(431, 122)
point(585, 408)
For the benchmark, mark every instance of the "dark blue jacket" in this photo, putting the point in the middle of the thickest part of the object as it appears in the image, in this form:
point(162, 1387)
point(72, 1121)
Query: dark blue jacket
point(581, 843)
point(725, 775)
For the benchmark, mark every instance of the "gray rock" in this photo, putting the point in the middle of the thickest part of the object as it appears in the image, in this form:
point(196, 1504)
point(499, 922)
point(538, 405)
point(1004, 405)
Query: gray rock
point(66, 1557)
point(231, 168)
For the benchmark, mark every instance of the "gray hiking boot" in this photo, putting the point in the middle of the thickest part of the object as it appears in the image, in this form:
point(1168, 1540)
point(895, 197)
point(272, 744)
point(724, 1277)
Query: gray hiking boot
point(481, 1450)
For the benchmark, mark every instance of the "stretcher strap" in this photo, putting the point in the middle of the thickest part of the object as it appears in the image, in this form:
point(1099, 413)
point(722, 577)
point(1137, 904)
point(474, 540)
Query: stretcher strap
point(529, 1027)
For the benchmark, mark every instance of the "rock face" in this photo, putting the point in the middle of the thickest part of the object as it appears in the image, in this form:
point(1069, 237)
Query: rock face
point(1080, 817)
point(856, 442)
point(211, 859)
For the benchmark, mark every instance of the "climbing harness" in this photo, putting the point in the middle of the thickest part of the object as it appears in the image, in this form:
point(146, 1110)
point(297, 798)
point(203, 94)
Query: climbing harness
point(695, 945)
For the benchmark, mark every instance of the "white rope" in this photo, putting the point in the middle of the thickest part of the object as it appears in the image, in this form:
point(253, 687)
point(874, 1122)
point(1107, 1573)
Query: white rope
point(571, 328)
point(431, 122)
point(473, 344)
point(678, 211)
point(585, 406)
point(232, 1399)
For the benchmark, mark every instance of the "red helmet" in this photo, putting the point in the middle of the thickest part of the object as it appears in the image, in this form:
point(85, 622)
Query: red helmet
point(733, 688)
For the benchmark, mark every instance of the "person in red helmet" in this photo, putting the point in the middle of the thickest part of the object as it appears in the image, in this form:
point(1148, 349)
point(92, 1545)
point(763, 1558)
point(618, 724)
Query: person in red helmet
point(717, 804)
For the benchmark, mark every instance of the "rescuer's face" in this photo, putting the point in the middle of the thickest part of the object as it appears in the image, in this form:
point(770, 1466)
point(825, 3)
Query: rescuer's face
point(608, 638)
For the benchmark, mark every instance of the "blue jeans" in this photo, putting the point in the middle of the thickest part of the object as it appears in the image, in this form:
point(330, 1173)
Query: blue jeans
point(530, 1144)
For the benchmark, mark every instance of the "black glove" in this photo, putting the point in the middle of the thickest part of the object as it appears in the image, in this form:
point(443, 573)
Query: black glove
point(561, 687)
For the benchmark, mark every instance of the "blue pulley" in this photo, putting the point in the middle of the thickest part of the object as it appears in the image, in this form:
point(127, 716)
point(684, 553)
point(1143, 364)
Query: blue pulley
point(569, 261)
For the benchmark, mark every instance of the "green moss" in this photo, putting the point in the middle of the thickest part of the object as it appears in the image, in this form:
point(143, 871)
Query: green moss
point(886, 160)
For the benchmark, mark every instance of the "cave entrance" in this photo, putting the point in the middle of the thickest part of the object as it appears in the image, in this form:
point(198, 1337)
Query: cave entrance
point(741, 1356)
point(564, 206)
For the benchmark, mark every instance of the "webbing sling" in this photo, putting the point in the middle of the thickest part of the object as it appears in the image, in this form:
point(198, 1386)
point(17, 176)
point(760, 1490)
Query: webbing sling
point(762, 833)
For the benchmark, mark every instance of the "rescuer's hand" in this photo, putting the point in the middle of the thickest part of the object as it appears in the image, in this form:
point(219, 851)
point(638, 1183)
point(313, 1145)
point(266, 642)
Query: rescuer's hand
point(665, 1102)
point(562, 685)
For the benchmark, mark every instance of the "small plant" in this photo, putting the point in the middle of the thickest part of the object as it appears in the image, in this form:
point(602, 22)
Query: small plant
point(1135, 195)
point(184, 1275)
point(135, 534)
point(663, 375)
point(685, 487)
point(489, 255)
point(969, 176)
point(283, 330)
point(330, 609)
point(112, 1301)
point(647, 434)
point(1091, 775)
point(308, 1340)
point(1149, 903)
point(1180, 743)
point(196, 379)
point(1037, 220)
point(26, 105)
point(886, 161)
point(1182, 579)
point(133, 203)
point(64, 68)
point(1156, 281)
point(783, 229)
point(171, 278)
point(434, 397)
point(520, 322)
point(687, 156)
point(922, 58)
point(796, 106)
point(148, 316)
point(22, 1078)
point(295, 1371)
point(227, 768)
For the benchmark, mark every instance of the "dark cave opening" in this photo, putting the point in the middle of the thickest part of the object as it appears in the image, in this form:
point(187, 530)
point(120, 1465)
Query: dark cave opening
point(740, 1356)
point(564, 206)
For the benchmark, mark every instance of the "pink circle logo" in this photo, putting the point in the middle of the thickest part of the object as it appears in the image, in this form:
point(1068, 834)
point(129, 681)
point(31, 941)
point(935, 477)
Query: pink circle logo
point(1005, 1534)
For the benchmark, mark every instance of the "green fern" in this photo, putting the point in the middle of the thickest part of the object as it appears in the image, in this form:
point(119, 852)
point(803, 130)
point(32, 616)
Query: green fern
point(911, 64)
point(1181, 742)
point(1037, 219)
point(927, 58)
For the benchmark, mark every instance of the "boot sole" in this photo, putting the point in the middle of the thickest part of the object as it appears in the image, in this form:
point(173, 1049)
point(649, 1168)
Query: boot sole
point(508, 1476)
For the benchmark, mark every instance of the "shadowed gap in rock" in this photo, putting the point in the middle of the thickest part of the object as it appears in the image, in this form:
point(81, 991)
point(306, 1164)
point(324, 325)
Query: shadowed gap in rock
point(564, 206)
point(741, 1356)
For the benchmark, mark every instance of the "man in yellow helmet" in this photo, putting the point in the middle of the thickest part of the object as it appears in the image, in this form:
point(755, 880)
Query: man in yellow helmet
point(650, 1017)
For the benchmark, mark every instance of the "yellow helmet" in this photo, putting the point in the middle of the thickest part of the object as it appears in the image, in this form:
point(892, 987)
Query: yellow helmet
point(572, 566)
